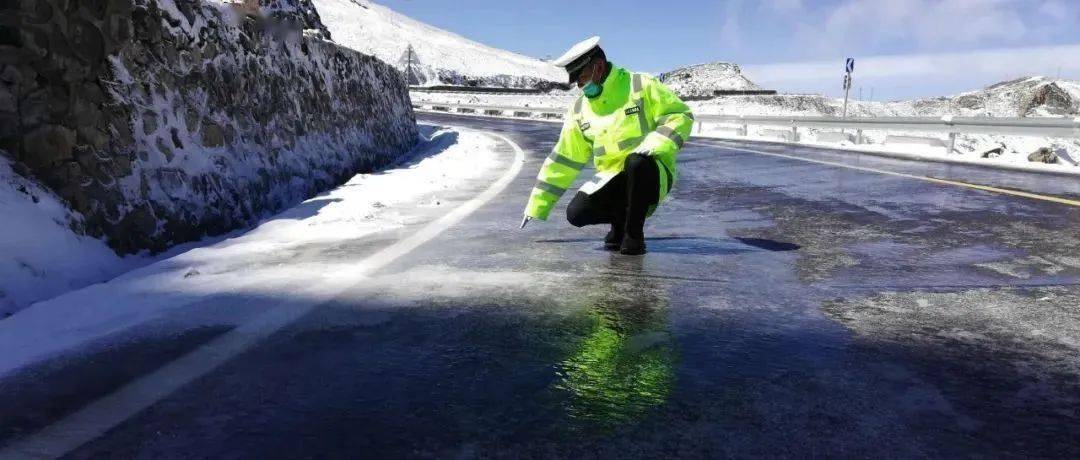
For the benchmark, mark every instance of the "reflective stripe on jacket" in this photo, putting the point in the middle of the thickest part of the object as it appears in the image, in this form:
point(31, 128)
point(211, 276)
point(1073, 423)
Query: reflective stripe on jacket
point(634, 110)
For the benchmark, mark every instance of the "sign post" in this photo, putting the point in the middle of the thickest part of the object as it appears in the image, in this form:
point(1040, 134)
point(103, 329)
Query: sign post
point(849, 66)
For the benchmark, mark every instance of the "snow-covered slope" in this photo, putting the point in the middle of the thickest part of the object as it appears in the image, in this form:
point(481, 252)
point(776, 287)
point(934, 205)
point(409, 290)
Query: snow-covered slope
point(698, 81)
point(42, 255)
point(441, 57)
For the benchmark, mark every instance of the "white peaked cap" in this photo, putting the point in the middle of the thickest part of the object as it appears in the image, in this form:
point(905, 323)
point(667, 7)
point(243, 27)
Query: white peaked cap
point(572, 55)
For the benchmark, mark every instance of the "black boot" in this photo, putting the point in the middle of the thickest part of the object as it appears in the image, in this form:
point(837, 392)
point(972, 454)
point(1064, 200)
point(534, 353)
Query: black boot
point(614, 238)
point(632, 246)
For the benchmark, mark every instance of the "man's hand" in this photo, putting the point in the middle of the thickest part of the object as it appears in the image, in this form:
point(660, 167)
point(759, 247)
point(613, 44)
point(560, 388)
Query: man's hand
point(524, 220)
point(642, 151)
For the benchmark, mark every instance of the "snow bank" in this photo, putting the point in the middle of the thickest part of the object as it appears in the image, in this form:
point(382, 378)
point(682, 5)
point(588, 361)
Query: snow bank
point(292, 247)
point(42, 255)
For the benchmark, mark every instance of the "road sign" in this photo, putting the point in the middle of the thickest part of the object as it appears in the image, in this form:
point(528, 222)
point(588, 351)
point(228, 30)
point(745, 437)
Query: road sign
point(849, 66)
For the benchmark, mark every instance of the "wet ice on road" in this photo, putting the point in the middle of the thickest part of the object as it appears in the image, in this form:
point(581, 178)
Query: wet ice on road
point(784, 308)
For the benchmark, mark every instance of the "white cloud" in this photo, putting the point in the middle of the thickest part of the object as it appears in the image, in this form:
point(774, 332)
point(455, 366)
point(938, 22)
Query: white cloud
point(921, 74)
point(930, 25)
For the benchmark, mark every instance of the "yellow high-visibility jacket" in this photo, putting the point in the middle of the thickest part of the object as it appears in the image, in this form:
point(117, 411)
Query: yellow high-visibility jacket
point(633, 112)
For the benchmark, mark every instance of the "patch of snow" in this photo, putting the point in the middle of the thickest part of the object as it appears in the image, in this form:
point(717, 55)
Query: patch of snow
point(42, 255)
point(296, 245)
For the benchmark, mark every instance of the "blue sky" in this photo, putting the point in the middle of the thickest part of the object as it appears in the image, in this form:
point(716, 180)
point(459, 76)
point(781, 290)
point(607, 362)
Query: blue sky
point(905, 48)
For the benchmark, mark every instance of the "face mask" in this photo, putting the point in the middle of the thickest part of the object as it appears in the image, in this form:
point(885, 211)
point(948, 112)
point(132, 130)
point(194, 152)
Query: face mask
point(592, 89)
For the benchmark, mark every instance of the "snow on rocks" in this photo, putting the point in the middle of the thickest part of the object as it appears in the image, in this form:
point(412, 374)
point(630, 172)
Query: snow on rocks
point(177, 119)
point(318, 236)
point(701, 80)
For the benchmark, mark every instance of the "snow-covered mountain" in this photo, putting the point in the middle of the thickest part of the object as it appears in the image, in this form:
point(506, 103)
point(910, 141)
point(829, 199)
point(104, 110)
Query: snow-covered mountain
point(1023, 97)
point(701, 80)
point(439, 57)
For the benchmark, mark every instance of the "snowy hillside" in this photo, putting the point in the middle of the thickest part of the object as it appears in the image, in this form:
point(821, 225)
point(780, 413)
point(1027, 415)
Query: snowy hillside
point(1023, 97)
point(440, 57)
point(699, 81)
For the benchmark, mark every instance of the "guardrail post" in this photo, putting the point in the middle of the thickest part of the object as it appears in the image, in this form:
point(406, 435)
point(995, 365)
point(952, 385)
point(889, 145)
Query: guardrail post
point(952, 142)
point(858, 136)
point(697, 126)
point(745, 130)
point(794, 134)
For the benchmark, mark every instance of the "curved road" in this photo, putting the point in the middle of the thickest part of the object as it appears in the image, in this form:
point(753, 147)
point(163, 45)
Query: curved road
point(786, 308)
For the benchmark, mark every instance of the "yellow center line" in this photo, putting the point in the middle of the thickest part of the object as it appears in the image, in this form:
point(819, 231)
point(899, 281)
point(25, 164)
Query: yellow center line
point(985, 188)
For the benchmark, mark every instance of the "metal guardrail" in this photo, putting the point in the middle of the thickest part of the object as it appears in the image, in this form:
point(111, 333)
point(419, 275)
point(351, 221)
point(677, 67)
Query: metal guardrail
point(1042, 127)
point(1046, 127)
point(447, 106)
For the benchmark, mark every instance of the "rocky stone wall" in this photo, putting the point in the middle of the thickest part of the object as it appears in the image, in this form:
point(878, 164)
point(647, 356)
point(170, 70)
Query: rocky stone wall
point(162, 121)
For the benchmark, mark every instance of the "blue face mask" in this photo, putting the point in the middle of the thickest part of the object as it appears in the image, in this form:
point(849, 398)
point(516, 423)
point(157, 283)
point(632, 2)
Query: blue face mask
point(592, 89)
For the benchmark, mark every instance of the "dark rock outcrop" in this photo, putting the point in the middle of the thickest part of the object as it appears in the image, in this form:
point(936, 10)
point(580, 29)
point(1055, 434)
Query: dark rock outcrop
point(1050, 96)
point(1043, 155)
point(162, 121)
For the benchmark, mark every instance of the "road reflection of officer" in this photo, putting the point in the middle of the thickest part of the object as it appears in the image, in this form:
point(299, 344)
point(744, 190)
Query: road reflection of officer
point(624, 366)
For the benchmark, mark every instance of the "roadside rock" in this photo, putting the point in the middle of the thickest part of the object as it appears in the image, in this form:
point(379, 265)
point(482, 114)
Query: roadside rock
point(1043, 155)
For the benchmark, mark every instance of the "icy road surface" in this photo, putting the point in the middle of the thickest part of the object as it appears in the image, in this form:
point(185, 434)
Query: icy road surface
point(786, 308)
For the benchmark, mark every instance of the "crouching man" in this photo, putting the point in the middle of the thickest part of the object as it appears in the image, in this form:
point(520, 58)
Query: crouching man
point(632, 126)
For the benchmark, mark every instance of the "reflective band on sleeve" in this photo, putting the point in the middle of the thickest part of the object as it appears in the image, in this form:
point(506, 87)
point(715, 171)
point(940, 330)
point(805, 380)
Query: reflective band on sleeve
point(632, 142)
point(642, 122)
point(636, 83)
point(554, 190)
point(670, 134)
point(664, 119)
point(565, 161)
point(598, 151)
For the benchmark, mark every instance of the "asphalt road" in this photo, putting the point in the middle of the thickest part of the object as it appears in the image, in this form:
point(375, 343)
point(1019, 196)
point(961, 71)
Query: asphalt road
point(786, 308)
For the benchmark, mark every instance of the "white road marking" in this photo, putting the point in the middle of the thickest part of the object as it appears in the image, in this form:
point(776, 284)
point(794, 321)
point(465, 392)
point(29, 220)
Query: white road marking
point(984, 188)
point(102, 415)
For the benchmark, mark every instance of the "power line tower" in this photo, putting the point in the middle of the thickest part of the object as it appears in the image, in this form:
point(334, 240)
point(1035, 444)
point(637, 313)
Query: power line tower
point(411, 64)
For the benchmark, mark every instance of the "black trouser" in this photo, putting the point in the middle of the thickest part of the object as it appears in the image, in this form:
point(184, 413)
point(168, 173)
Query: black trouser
point(623, 201)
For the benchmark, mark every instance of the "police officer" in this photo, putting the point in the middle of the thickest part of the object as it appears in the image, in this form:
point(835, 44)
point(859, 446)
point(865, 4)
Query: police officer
point(632, 126)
